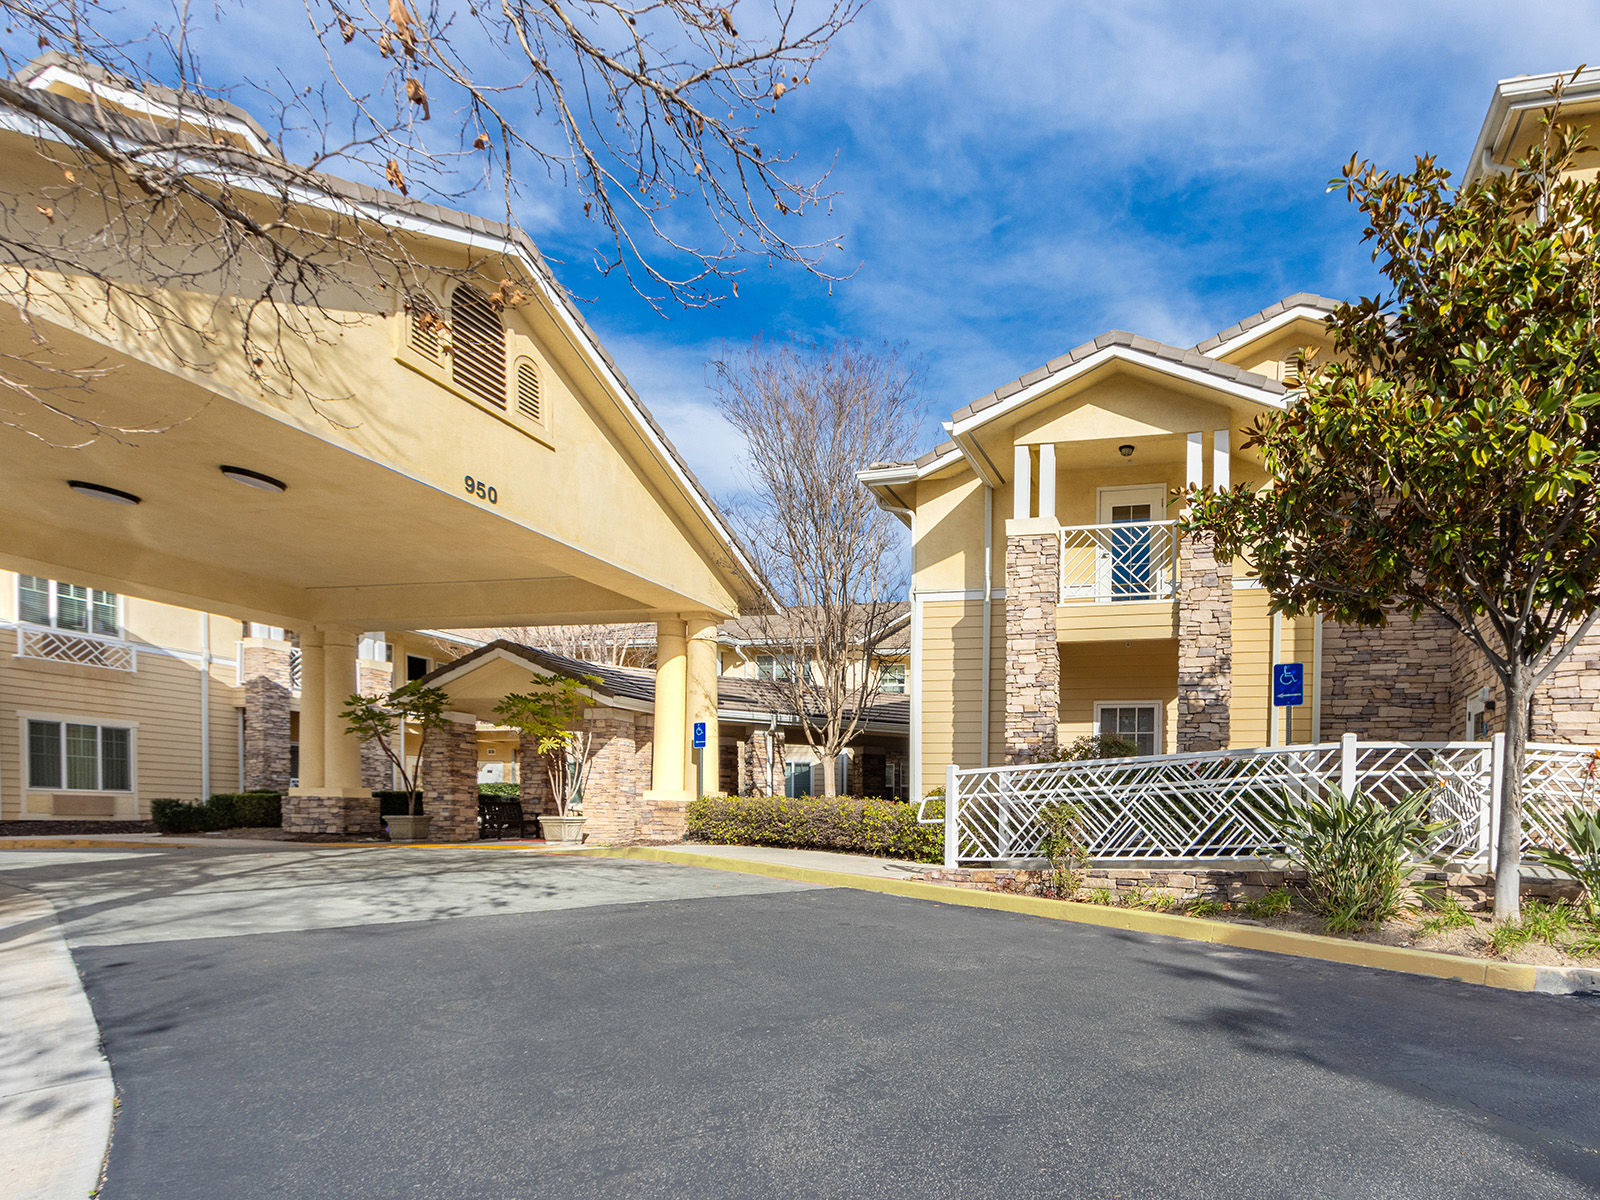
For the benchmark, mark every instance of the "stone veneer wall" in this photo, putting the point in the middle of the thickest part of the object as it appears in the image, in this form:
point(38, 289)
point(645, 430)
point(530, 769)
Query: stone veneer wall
point(267, 705)
point(533, 781)
point(1476, 891)
point(1567, 707)
point(1394, 682)
point(1205, 646)
point(613, 796)
point(1033, 658)
point(450, 783)
point(338, 815)
point(753, 774)
point(373, 679)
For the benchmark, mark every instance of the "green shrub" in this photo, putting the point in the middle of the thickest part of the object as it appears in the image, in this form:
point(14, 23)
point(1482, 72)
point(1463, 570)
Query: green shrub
point(397, 804)
point(179, 816)
point(1065, 852)
point(869, 826)
point(1582, 860)
point(501, 791)
point(225, 810)
point(1089, 747)
point(1356, 852)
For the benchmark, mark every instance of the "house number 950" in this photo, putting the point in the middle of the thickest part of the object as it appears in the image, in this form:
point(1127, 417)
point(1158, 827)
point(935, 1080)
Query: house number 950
point(480, 489)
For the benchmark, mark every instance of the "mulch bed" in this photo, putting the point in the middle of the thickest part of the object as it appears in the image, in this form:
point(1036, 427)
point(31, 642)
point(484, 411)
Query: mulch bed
point(72, 828)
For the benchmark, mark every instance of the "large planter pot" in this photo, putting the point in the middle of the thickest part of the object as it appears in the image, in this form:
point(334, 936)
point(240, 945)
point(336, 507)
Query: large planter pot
point(564, 831)
point(408, 828)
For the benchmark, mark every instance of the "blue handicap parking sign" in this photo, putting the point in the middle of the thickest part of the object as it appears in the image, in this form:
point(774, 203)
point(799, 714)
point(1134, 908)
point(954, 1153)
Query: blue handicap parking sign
point(1288, 684)
point(699, 735)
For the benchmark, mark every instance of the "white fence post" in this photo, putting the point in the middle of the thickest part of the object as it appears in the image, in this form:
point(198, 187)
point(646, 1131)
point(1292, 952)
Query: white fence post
point(1347, 764)
point(951, 802)
point(1497, 762)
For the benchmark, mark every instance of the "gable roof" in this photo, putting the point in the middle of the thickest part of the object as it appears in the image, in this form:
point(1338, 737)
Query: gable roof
point(478, 233)
point(635, 687)
point(1301, 303)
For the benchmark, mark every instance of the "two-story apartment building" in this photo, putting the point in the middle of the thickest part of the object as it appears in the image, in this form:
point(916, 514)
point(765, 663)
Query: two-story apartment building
point(1052, 595)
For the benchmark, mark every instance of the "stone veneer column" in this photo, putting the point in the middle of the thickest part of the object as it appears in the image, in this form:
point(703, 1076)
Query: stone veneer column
point(1205, 646)
point(1033, 655)
point(613, 793)
point(264, 671)
point(373, 679)
point(761, 776)
point(533, 781)
point(450, 780)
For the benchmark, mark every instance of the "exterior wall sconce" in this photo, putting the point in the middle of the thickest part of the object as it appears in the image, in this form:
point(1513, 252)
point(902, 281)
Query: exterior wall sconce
point(1126, 449)
point(255, 479)
point(100, 492)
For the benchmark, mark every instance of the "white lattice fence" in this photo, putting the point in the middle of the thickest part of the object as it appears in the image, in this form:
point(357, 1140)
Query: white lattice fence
point(1214, 805)
point(82, 649)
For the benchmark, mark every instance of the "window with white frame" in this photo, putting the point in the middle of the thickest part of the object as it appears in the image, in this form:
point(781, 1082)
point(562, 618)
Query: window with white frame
point(776, 668)
point(1139, 724)
point(79, 756)
point(67, 606)
point(892, 678)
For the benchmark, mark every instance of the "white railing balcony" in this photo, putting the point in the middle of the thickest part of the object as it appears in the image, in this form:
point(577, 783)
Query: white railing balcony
point(294, 669)
point(1134, 560)
point(83, 649)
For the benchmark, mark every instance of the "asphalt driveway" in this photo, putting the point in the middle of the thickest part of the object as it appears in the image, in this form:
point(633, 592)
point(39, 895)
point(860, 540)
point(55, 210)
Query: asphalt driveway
point(487, 1025)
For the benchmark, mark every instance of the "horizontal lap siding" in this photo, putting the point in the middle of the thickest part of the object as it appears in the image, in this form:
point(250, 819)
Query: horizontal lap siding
point(950, 684)
point(162, 698)
point(1252, 667)
point(1098, 672)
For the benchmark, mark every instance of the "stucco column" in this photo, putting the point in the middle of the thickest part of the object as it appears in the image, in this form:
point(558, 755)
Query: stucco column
point(313, 759)
point(342, 769)
point(671, 734)
point(702, 689)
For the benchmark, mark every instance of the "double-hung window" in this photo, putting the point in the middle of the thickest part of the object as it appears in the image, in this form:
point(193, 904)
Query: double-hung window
point(892, 678)
point(1139, 724)
point(67, 606)
point(79, 756)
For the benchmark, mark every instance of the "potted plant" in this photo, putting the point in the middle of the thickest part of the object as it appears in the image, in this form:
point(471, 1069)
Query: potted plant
point(383, 719)
point(549, 713)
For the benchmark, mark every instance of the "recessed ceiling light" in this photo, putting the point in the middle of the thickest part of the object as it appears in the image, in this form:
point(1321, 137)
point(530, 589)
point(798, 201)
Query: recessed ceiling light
point(254, 479)
point(1126, 450)
point(100, 492)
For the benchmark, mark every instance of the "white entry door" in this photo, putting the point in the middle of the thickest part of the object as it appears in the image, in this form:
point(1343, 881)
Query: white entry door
point(1125, 565)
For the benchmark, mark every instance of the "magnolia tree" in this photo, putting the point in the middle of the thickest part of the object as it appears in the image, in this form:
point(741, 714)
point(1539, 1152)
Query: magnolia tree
point(384, 720)
point(812, 417)
point(1444, 460)
point(549, 713)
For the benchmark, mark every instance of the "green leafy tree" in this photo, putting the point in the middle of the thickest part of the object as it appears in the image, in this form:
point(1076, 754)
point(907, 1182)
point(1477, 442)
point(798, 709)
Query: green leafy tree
point(549, 712)
point(1443, 460)
point(383, 719)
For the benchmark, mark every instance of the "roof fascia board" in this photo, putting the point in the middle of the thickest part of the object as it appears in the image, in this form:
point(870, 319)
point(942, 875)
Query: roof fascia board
point(136, 101)
point(1514, 98)
point(1267, 328)
point(475, 240)
point(977, 457)
point(1110, 354)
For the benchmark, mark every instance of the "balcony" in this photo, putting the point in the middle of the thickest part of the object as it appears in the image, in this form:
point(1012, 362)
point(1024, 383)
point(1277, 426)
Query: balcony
point(81, 649)
point(1118, 581)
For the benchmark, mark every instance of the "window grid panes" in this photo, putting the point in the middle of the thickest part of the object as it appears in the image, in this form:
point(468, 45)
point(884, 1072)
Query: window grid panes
point(892, 678)
point(1135, 723)
point(79, 756)
point(67, 606)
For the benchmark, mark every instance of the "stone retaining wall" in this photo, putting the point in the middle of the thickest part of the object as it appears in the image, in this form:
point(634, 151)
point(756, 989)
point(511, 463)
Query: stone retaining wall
point(1475, 891)
point(355, 816)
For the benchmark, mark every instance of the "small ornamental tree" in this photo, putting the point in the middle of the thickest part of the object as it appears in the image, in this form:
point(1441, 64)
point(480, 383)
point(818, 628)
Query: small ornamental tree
point(1444, 460)
point(549, 713)
point(383, 719)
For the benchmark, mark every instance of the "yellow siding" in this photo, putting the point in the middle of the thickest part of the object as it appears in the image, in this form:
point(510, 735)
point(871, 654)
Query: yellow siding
point(162, 698)
point(951, 684)
point(1252, 662)
point(1101, 672)
point(1134, 619)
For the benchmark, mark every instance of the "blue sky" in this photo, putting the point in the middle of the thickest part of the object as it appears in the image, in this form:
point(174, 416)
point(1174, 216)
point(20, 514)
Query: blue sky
point(1013, 179)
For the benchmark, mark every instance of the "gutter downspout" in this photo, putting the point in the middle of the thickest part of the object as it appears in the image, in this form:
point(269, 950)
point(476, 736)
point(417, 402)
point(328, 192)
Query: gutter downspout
point(205, 707)
point(988, 624)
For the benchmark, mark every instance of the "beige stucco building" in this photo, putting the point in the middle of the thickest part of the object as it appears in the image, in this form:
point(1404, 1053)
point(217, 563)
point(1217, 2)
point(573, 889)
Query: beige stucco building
point(490, 469)
point(1052, 596)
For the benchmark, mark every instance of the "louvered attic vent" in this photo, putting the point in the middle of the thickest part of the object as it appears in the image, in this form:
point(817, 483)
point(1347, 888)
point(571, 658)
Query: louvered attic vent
point(528, 403)
point(477, 347)
point(425, 339)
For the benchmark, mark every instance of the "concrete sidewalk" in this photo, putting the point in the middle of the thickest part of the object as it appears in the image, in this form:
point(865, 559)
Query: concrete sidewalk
point(56, 1094)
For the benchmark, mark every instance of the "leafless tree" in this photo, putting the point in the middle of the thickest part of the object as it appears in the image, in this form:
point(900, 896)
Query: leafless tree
point(632, 645)
point(642, 109)
point(812, 417)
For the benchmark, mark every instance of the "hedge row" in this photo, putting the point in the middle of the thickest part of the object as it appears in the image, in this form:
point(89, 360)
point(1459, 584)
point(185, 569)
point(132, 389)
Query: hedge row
point(870, 826)
point(226, 810)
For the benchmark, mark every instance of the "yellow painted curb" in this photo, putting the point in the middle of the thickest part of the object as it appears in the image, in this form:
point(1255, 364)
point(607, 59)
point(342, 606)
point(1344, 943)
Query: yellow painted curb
point(71, 844)
point(1516, 977)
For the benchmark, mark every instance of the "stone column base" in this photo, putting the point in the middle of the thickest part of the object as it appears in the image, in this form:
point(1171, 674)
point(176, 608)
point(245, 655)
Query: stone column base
point(665, 816)
point(304, 812)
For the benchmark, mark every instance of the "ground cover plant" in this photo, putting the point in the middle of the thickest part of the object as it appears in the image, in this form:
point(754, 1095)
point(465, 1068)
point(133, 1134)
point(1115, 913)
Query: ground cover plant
point(850, 824)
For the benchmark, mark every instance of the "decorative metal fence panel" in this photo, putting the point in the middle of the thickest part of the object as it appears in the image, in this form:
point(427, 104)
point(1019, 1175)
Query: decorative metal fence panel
point(81, 648)
point(1136, 560)
point(1215, 805)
